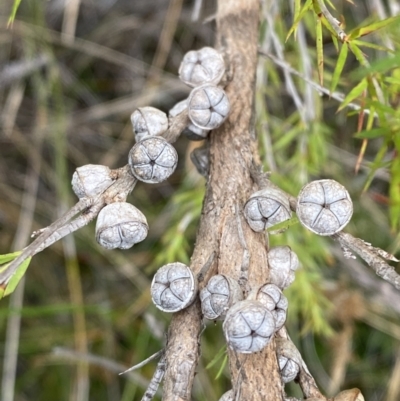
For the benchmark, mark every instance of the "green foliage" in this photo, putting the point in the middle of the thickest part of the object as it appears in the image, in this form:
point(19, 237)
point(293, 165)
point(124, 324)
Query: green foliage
point(5, 260)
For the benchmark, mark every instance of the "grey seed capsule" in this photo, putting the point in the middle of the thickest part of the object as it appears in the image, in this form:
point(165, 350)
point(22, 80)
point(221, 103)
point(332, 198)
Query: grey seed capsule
point(208, 106)
point(282, 262)
point(274, 300)
point(289, 359)
point(153, 160)
point(174, 287)
point(120, 225)
point(218, 296)
point(202, 66)
point(266, 208)
point(248, 326)
point(324, 207)
point(228, 396)
point(91, 180)
point(192, 132)
point(148, 121)
point(200, 159)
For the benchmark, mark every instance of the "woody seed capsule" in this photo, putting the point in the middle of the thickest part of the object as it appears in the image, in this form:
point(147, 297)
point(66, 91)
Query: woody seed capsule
point(324, 207)
point(174, 287)
point(153, 159)
point(202, 66)
point(148, 121)
point(282, 262)
point(91, 180)
point(208, 106)
point(120, 225)
point(273, 299)
point(266, 208)
point(218, 296)
point(248, 326)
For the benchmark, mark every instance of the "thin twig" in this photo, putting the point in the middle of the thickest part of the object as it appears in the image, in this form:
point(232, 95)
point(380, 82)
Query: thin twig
point(145, 362)
point(155, 380)
point(334, 23)
point(89, 208)
point(321, 89)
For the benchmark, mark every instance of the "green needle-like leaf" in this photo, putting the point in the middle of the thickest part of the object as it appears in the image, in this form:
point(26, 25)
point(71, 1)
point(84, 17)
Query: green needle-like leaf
point(7, 289)
point(354, 93)
point(339, 66)
point(320, 51)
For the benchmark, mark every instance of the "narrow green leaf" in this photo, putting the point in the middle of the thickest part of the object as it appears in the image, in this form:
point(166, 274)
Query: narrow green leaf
point(14, 10)
point(372, 45)
point(280, 227)
point(217, 357)
point(297, 8)
point(354, 93)
point(335, 41)
point(307, 6)
point(7, 258)
point(358, 32)
point(339, 66)
point(9, 288)
point(358, 53)
point(373, 133)
point(221, 369)
point(320, 51)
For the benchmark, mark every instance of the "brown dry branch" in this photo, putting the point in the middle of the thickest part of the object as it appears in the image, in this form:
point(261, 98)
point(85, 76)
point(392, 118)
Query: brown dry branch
point(232, 149)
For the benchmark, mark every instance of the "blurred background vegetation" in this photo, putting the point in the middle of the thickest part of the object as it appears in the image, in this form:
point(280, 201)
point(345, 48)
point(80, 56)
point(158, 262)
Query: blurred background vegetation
point(72, 72)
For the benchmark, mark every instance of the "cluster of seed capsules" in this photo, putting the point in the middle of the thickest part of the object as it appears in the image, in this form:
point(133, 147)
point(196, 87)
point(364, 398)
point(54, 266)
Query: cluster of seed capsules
point(153, 159)
point(323, 206)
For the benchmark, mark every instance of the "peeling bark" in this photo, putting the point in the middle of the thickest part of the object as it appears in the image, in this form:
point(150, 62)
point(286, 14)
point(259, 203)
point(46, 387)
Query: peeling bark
point(240, 252)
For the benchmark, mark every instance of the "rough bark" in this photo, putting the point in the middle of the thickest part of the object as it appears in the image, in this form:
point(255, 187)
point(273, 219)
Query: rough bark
point(239, 252)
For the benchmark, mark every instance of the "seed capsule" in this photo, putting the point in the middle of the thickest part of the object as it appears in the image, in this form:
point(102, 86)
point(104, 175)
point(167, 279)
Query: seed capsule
point(191, 132)
point(91, 180)
point(273, 299)
point(228, 396)
point(208, 106)
point(202, 66)
point(324, 207)
point(120, 225)
point(173, 287)
point(148, 121)
point(267, 208)
point(153, 160)
point(218, 296)
point(282, 262)
point(289, 359)
point(248, 326)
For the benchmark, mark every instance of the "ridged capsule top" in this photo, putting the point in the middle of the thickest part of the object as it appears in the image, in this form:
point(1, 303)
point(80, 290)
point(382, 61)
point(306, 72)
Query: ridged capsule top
point(274, 300)
point(91, 180)
point(174, 287)
point(153, 160)
point(266, 208)
point(202, 66)
point(120, 225)
point(248, 326)
point(208, 106)
point(148, 121)
point(282, 262)
point(324, 207)
point(218, 296)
